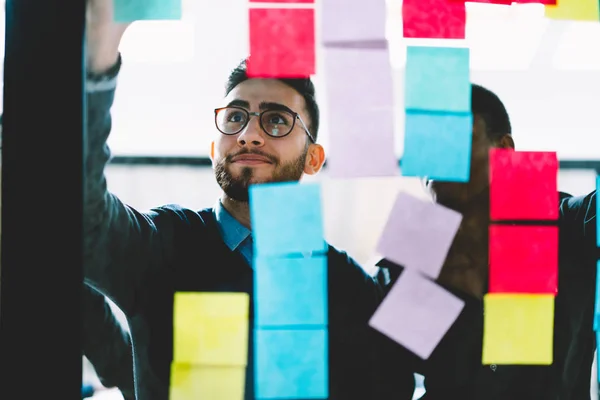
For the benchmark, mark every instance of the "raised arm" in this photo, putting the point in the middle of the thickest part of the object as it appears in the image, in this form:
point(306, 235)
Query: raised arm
point(106, 344)
point(122, 247)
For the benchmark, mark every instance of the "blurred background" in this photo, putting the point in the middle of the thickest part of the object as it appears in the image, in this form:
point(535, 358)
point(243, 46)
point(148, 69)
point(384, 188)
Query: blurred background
point(546, 72)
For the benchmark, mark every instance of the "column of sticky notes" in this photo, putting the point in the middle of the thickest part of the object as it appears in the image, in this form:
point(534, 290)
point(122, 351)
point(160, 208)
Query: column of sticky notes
point(523, 258)
point(437, 93)
point(417, 312)
point(282, 39)
point(290, 292)
point(360, 93)
point(210, 346)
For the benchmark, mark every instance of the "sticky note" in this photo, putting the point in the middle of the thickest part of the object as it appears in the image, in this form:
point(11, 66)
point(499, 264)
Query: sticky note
point(202, 382)
point(282, 43)
point(597, 302)
point(290, 291)
point(523, 185)
point(291, 364)
point(211, 328)
point(416, 313)
point(518, 329)
point(437, 79)
point(286, 218)
point(361, 145)
point(137, 10)
point(352, 21)
point(433, 19)
point(575, 10)
point(437, 145)
point(523, 259)
point(418, 234)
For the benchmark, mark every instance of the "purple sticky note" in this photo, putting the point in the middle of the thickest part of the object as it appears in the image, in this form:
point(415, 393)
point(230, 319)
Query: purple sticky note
point(352, 21)
point(361, 118)
point(417, 313)
point(418, 234)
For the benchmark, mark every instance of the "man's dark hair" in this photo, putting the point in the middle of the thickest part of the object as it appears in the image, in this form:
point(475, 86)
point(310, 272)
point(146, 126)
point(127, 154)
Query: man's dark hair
point(304, 86)
point(488, 105)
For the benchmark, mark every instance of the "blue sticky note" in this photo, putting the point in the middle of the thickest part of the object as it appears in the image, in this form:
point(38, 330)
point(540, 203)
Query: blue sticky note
point(290, 291)
point(139, 10)
point(597, 303)
point(437, 146)
point(291, 364)
point(437, 79)
point(286, 219)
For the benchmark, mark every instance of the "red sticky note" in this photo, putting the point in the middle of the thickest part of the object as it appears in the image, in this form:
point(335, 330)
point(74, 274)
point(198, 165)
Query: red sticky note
point(507, 2)
point(282, 43)
point(523, 185)
point(546, 2)
point(429, 19)
point(523, 259)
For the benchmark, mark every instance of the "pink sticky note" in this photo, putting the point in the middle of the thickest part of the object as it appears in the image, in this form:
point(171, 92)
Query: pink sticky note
point(353, 21)
point(523, 185)
point(360, 115)
point(282, 1)
point(416, 313)
point(523, 259)
point(282, 42)
point(434, 19)
point(418, 234)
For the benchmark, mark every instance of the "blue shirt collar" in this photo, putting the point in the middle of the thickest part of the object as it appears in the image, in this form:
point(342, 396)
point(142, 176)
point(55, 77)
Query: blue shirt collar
point(231, 230)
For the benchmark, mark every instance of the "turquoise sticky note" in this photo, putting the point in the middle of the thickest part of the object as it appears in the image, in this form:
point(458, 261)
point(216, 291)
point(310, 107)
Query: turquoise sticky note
point(290, 291)
point(597, 303)
point(291, 364)
point(286, 219)
point(139, 10)
point(437, 146)
point(437, 79)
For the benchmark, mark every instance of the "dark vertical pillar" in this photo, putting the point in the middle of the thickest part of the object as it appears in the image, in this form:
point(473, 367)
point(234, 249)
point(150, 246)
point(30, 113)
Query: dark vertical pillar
point(40, 314)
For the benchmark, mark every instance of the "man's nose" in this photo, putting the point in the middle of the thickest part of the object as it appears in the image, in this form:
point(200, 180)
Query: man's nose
point(252, 134)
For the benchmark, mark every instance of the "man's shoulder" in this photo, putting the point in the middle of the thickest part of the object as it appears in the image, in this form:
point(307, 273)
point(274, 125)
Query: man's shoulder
point(345, 268)
point(578, 209)
point(178, 218)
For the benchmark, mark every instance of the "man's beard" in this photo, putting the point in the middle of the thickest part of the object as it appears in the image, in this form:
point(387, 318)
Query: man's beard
point(236, 188)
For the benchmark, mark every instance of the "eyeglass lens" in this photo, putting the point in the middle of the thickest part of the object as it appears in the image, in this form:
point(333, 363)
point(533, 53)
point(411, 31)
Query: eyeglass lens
point(275, 123)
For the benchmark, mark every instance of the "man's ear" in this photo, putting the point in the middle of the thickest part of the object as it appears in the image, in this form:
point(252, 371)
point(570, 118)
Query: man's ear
point(315, 158)
point(506, 142)
point(212, 151)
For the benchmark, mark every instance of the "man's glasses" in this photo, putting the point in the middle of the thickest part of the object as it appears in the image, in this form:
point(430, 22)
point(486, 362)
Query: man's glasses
point(275, 123)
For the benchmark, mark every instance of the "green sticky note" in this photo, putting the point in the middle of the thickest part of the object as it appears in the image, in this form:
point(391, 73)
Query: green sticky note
point(147, 10)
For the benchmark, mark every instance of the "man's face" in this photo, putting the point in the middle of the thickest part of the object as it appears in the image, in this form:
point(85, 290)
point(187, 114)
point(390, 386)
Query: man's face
point(457, 194)
point(251, 156)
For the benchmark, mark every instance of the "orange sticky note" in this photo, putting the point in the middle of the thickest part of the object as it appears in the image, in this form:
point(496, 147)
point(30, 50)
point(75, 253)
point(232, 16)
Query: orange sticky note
point(518, 329)
point(575, 10)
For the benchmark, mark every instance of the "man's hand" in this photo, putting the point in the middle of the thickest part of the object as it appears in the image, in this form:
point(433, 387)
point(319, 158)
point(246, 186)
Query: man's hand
point(103, 36)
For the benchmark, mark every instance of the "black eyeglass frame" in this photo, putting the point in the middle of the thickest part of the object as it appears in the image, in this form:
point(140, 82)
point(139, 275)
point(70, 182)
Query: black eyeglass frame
point(250, 114)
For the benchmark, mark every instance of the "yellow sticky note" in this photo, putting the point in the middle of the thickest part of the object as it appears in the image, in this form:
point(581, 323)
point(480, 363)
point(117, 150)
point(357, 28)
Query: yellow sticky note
point(575, 10)
point(211, 328)
point(198, 382)
point(518, 329)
